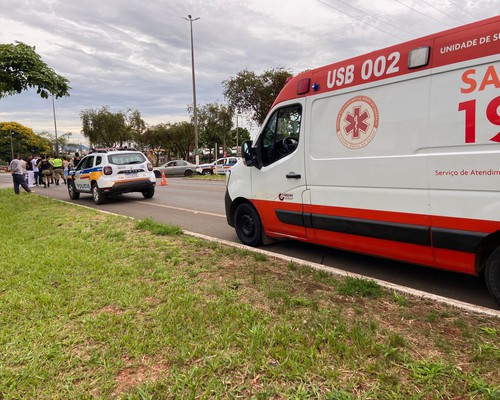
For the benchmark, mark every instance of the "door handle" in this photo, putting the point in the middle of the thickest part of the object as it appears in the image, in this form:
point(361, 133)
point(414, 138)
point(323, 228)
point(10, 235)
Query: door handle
point(293, 175)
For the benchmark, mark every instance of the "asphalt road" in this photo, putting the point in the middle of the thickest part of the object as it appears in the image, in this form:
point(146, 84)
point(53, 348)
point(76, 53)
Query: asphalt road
point(198, 206)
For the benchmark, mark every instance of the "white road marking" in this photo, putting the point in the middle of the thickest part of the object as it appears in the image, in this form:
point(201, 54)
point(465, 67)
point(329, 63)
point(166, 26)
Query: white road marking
point(182, 209)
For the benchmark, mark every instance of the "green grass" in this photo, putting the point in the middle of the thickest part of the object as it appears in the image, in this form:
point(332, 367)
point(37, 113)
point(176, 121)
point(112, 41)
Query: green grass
point(214, 177)
point(95, 306)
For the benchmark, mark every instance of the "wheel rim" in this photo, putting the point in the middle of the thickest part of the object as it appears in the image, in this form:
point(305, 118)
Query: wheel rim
point(247, 225)
point(96, 193)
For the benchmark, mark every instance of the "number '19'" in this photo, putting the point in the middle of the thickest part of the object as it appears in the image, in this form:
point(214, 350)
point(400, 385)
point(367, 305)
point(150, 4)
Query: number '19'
point(492, 113)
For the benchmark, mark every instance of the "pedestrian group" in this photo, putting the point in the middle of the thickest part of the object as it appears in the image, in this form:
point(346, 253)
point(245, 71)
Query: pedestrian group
point(38, 171)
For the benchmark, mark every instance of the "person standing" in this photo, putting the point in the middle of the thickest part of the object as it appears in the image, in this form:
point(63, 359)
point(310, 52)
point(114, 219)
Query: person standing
point(66, 167)
point(76, 159)
point(29, 169)
point(45, 167)
point(36, 174)
point(58, 169)
point(17, 168)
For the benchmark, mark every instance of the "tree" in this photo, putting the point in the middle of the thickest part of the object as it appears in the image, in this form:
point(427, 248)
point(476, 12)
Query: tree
point(181, 136)
point(155, 140)
point(254, 93)
point(22, 68)
point(106, 129)
point(215, 122)
point(19, 139)
point(135, 123)
point(62, 140)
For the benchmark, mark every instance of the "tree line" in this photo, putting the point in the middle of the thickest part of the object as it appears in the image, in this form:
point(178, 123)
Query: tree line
point(248, 94)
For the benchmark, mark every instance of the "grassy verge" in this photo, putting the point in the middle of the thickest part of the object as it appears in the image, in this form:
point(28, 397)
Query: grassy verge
point(214, 177)
point(99, 306)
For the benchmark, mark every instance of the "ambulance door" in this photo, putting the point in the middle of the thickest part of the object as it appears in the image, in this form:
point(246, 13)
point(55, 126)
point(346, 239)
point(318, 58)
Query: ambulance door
point(278, 179)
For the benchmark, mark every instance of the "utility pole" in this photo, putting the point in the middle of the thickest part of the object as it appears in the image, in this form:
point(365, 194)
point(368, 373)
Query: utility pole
point(55, 125)
point(195, 111)
point(11, 144)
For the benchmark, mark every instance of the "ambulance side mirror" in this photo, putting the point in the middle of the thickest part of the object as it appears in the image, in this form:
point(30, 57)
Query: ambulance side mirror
point(249, 154)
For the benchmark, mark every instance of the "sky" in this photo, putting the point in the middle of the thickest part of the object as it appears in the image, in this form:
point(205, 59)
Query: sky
point(136, 55)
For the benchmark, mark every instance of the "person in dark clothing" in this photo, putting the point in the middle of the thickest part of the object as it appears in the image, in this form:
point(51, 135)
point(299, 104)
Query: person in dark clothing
point(46, 168)
point(76, 159)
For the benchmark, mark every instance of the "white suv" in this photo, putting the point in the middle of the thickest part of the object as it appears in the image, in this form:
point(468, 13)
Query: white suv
point(106, 172)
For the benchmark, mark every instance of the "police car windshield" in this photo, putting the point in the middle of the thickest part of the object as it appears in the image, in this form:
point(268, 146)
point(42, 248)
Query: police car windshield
point(125, 159)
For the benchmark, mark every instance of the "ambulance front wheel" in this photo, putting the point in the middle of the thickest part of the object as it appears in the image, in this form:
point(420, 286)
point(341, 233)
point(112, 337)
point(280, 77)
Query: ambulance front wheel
point(248, 225)
point(492, 274)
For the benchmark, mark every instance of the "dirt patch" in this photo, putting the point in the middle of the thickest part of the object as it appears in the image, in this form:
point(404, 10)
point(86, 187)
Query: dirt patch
point(135, 374)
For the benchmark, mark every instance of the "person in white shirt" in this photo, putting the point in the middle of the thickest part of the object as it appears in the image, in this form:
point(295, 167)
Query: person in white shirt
point(17, 168)
point(36, 172)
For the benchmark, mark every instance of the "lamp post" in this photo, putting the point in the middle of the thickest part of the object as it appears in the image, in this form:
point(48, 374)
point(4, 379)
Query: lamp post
point(11, 144)
point(237, 132)
point(195, 111)
point(55, 125)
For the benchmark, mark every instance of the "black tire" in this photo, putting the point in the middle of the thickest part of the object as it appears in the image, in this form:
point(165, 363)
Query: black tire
point(492, 274)
point(157, 174)
point(207, 172)
point(149, 193)
point(99, 197)
point(188, 172)
point(248, 225)
point(73, 193)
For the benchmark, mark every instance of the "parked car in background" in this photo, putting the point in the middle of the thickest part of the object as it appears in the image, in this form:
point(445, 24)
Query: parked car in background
point(175, 167)
point(205, 169)
point(220, 166)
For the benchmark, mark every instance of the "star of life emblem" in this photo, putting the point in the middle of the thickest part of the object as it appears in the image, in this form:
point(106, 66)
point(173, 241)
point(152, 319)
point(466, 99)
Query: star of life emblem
point(357, 122)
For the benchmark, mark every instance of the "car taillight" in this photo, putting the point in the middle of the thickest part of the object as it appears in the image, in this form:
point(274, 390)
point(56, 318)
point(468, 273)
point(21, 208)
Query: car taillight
point(107, 170)
point(150, 166)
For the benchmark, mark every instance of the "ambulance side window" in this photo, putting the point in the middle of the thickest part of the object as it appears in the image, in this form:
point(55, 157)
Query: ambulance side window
point(281, 135)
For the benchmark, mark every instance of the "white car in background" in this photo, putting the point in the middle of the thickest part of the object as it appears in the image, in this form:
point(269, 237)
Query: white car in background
point(220, 166)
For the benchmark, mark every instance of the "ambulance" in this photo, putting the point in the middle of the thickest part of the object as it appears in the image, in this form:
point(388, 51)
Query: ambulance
point(395, 153)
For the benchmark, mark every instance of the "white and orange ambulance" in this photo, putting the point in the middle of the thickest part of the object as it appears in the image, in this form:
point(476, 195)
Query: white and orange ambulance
point(395, 153)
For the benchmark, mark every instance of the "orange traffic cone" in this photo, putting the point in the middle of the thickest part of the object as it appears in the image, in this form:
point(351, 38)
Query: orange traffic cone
point(163, 179)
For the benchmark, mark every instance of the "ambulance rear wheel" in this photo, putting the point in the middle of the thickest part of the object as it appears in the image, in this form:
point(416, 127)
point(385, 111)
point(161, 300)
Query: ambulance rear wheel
point(248, 225)
point(492, 274)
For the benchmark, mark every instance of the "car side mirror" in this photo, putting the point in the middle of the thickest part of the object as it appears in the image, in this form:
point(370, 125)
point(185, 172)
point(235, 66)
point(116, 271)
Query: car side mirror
point(246, 152)
point(249, 154)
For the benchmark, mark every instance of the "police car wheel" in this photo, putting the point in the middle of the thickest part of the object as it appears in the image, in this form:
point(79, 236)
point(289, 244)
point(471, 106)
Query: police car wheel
point(492, 274)
point(207, 172)
point(248, 225)
point(99, 198)
point(148, 193)
point(73, 193)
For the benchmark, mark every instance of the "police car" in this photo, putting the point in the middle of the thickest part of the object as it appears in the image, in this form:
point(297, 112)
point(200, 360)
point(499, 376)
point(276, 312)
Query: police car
point(220, 166)
point(105, 172)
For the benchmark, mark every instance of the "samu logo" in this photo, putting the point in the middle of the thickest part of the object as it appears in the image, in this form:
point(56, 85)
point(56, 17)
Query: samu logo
point(357, 122)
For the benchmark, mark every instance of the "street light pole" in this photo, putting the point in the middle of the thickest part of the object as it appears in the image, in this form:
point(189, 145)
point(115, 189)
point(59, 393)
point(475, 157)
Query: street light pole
point(55, 125)
point(195, 111)
point(11, 144)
